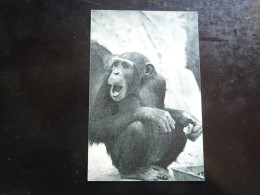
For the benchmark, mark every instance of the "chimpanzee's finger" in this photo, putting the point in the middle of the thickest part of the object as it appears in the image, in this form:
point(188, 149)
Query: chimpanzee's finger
point(194, 135)
point(171, 122)
point(162, 127)
point(196, 129)
point(168, 126)
point(191, 119)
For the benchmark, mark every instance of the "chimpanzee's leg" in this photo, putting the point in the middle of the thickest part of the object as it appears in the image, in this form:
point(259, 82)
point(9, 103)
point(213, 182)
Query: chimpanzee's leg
point(135, 151)
point(131, 148)
point(140, 147)
point(174, 143)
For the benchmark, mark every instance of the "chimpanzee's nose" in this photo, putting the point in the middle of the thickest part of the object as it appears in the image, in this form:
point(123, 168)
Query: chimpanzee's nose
point(116, 72)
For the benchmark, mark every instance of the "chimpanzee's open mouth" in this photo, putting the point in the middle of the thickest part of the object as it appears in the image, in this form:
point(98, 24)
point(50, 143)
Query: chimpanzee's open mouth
point(116, 90)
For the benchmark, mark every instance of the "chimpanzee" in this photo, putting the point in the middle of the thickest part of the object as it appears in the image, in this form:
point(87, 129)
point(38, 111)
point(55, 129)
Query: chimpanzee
point(141, 135)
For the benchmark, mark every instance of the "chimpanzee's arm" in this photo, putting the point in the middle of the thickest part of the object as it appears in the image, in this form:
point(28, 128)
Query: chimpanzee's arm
point(103, 123)
point(106, 126)
point(102, 128)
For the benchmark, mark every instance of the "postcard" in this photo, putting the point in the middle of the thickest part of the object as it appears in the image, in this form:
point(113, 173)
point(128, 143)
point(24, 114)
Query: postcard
point(145, 116)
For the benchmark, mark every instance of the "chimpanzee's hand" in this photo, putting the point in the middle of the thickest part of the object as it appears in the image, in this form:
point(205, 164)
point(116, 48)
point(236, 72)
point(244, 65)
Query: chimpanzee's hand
point(196, 129)
point(162, 118)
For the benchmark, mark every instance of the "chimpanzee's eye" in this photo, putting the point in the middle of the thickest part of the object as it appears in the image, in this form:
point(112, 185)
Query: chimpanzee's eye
point(115, 64)
point(125, 65)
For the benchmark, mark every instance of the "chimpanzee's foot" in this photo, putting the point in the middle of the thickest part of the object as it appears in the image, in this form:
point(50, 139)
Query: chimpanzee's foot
point(162, 170)
point(151, 173)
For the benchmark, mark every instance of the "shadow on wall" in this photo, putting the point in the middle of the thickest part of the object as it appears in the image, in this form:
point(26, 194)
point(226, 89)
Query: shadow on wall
point(100, 59)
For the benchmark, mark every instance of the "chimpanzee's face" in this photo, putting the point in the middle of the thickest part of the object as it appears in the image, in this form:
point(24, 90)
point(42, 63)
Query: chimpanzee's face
point(121, 78)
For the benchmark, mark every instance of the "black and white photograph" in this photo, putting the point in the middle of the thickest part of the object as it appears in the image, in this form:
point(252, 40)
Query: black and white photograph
point(145, 116)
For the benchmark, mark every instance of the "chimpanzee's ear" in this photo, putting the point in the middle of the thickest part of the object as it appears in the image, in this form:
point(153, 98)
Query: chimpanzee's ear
point(149, 69)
